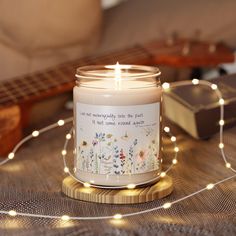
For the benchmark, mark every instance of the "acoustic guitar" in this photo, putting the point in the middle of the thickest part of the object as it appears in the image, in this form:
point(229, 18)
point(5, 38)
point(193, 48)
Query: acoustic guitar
point(19, 94)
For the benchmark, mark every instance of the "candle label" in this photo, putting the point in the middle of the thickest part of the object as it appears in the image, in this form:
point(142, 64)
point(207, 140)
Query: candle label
point(117, 140)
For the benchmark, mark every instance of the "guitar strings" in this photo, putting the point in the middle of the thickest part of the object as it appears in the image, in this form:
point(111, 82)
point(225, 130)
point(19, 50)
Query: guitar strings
point(12, 93)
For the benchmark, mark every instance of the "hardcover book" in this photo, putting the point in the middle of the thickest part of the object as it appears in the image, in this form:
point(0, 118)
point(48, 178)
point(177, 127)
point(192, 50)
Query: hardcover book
point(196, 109)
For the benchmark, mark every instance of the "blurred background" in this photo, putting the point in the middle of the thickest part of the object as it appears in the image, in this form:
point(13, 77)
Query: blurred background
point(42, 42)
point(35, 35)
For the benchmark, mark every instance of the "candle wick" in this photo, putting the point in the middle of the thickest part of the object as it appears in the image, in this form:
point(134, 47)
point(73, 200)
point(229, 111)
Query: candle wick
point(117, 76)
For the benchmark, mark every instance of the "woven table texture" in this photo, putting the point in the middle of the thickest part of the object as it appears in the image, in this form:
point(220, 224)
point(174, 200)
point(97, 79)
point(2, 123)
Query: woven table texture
point(32, 183)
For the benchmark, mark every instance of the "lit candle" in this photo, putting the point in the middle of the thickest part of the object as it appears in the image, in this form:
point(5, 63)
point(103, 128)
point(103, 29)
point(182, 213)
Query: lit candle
point(117, 124)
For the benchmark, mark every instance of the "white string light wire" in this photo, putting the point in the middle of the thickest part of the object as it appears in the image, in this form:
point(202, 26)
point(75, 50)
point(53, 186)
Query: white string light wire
point(166, 86)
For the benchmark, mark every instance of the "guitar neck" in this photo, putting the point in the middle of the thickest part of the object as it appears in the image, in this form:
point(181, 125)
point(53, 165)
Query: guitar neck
point(60, 79)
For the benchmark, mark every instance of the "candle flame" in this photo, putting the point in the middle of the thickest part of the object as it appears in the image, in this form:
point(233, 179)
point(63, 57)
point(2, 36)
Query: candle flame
point(117, 71)
point(117, 76)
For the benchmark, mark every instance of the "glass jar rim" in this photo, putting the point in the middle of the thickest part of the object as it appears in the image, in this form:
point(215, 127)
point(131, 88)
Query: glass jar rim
point(107, 72)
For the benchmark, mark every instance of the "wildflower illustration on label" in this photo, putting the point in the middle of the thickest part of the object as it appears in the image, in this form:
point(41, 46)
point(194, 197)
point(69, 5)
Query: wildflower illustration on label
point(117, 140)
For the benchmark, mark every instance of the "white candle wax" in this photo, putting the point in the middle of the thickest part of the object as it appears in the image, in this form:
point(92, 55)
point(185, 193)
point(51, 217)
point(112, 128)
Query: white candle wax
point(117, 131)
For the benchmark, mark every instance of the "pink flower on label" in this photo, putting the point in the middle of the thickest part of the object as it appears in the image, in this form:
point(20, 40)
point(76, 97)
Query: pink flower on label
point(122, 155)
point(142, 155)
point(95, 142)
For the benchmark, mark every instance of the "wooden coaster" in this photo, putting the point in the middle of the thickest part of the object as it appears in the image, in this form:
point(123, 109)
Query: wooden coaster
point(76, 190)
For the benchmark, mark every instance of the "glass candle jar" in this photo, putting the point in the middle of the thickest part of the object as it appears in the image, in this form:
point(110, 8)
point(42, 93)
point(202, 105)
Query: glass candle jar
point(117, 114)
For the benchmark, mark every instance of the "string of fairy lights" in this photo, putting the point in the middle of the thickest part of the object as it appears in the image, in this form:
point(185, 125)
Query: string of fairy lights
point(118, 216)
point(129, 186)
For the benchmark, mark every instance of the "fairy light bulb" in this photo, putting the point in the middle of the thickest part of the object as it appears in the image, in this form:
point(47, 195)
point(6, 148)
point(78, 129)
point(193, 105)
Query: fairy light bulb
point(176, 149)
point(165, 86)
point(87, 185)
point(173, 138)
point(167, 205)
point(228, 165)
point(131, 186)
point(195, 81)
point(63, 152)
point(68, 136)
point(11, 155)
point(66, 169)
point(221, 101)
point(174, 161)
point(210, 186)
point(167, 129)
point(214, 86)
point(117, 216)
point(163, 174)
point(12, 213)
point(221, 145)
point(221, 122)
point(65, 217)
point(61, 122)
point(35, 133)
